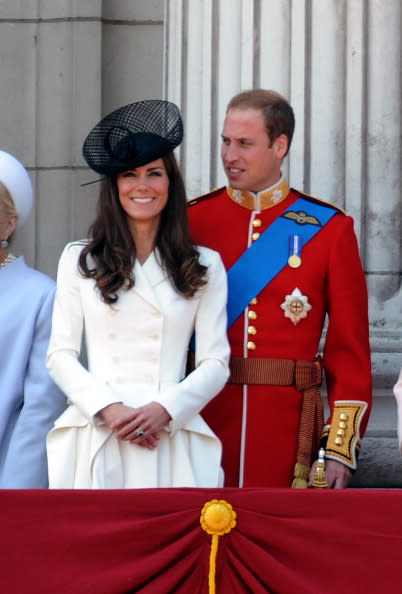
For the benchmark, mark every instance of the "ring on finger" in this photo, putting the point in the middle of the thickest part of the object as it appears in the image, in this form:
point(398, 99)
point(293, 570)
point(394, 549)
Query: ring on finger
point(139, 433)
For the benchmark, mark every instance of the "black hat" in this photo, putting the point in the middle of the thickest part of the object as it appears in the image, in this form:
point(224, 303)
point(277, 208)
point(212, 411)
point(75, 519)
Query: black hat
point(132, 136)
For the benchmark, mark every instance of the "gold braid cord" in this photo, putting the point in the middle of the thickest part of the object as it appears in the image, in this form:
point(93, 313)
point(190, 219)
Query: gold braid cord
point(344, 433)
point(308, 380)
point(217, 518)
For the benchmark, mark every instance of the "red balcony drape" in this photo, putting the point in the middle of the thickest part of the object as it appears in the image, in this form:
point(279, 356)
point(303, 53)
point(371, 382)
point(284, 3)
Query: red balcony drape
point(150, 541)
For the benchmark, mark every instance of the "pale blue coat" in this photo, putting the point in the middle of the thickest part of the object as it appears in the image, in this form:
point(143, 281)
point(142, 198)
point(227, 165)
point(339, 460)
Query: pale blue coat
point(29, 400)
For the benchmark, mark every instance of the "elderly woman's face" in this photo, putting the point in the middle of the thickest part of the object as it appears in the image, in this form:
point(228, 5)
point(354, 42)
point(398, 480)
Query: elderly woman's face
point(8, 221)
point(143, 192)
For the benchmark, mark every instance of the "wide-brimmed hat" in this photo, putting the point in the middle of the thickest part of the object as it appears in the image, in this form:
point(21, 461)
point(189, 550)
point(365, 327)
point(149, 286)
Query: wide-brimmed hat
point(15, 178)
point(132, 136)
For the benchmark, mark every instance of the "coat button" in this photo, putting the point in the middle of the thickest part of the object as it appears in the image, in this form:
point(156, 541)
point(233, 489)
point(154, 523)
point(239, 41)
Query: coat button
point(255, 235)
point(252, 330)
point(251, 346)
point(254, 301)
point(257, 223)
point(252, 315)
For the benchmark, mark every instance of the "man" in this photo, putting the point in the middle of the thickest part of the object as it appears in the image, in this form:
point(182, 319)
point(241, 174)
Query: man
point(293, 262)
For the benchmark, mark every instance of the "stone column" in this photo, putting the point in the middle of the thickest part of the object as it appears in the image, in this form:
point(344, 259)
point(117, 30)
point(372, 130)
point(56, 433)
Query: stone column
point(339, 64)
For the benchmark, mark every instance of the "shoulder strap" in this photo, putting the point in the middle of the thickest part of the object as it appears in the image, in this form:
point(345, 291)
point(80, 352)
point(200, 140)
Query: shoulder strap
point(202, 197)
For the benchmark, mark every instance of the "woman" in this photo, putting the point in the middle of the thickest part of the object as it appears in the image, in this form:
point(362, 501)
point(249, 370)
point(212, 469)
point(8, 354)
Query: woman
point(139, 288)
point(29, 401)
point(397, 390)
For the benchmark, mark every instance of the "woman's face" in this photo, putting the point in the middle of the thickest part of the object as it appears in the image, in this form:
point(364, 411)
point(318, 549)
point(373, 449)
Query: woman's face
point(8, 222)
point(143, 192)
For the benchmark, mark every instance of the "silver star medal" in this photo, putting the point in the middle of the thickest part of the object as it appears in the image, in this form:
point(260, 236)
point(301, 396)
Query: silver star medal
point(296, 306)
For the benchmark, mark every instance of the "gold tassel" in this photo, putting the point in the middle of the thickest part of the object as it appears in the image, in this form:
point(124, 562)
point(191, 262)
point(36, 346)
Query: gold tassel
point(300, 473)
point(217, 518)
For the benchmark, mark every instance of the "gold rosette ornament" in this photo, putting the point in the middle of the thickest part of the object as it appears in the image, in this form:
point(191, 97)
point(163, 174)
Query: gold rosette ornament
point(217, 518)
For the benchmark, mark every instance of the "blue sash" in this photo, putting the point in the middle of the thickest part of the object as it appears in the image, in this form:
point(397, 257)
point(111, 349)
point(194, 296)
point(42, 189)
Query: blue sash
point(268, 255)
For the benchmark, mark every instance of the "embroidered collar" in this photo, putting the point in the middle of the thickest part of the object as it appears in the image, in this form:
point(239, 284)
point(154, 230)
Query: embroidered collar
point(260, 200)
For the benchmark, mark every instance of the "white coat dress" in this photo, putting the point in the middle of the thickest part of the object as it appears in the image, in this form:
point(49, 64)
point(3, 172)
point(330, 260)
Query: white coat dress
point(29, 399)
point(397, 389)
point(137, 352)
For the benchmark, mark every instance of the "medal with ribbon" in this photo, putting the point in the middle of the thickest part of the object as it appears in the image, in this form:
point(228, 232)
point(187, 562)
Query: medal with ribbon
point(295, 245)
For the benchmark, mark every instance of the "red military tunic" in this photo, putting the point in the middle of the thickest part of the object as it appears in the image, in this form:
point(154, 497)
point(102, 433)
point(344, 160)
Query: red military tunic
point(258, 424)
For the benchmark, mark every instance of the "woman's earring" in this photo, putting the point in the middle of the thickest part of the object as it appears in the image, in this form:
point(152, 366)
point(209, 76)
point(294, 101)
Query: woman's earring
point(4, 243)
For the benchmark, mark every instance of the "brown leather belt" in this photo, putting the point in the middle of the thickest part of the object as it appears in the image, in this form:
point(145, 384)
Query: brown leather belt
point(275, 372)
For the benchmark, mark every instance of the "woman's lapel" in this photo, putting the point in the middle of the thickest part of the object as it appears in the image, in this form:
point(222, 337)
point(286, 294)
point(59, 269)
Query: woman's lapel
point(148, 276)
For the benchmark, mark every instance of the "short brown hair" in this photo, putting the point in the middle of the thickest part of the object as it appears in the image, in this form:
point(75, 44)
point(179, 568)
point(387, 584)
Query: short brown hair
point(278, 114)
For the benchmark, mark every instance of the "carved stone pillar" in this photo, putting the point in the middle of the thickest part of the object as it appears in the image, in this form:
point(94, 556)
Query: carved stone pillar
point(339, 64)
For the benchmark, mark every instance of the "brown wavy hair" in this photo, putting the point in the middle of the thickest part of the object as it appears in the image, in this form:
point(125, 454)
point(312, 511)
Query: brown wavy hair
point(112, 249)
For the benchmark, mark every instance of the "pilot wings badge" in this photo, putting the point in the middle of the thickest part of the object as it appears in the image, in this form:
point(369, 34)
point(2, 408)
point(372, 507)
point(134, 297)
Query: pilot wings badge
point(301, 218)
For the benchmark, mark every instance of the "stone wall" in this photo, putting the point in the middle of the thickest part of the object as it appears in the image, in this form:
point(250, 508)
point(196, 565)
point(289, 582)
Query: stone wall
point(64, 64)
point(328, 58)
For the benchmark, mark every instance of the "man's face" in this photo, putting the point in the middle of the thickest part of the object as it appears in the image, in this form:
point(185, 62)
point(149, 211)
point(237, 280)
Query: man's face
point(249, 162)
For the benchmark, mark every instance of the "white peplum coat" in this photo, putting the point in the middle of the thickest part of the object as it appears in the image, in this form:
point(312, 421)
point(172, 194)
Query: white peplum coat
point(136, 352)
point(397, 390)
